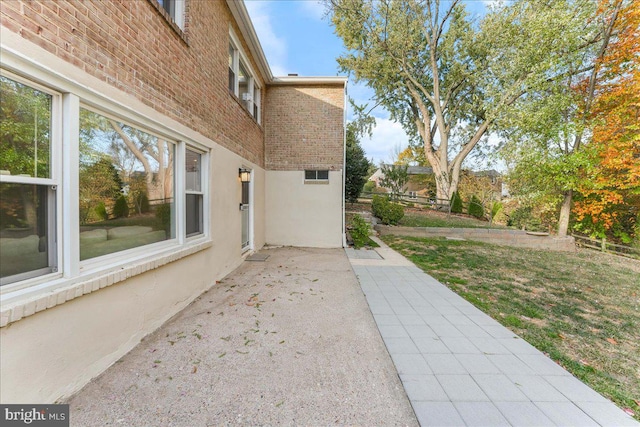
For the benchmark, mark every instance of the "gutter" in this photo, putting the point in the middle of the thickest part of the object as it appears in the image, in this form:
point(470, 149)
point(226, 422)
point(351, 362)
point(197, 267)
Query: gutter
point(344, 168)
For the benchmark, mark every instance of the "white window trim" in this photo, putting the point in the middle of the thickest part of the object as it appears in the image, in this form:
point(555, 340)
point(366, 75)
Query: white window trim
point(55, 170)
point(249, 246)
point(204, 186)
point(21, 299)
point(316, 180)
point(253, 85)
point(179, 18)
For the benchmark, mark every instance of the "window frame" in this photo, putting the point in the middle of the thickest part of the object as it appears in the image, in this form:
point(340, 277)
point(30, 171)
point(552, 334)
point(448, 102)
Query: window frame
point(69, 97)
point(55, 244)
point(175, 10)
point(92, 263)
point(316, 179)
point(238, 59)
point(204, 188)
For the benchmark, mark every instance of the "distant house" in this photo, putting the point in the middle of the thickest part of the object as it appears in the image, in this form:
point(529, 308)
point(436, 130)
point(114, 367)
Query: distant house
point(147, 149)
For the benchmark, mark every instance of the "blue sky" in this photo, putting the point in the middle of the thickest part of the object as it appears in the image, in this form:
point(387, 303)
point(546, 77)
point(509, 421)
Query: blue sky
point(297, 38)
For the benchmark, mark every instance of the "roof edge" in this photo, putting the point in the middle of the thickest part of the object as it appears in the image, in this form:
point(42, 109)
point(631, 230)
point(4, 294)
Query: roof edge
point(303, 80)
point(241, 16)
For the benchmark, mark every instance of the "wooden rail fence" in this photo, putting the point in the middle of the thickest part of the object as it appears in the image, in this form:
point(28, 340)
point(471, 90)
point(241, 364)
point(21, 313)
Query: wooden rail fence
point(604, 246)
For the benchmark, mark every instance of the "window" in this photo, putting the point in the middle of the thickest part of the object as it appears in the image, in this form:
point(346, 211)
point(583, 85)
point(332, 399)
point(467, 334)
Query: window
point(120, 191)
point(316, 175)
point(175, 9)
point(126, 186)
point(194, 192)
point(242, 82)
point(27, 181)
point(233, 60)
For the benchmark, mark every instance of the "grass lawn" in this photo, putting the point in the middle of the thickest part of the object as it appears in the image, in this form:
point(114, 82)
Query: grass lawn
point(439, 219)
point(582, 309)
point(428, 218)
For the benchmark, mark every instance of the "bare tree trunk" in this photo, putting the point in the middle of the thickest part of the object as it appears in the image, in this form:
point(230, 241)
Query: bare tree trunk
point(565, 211)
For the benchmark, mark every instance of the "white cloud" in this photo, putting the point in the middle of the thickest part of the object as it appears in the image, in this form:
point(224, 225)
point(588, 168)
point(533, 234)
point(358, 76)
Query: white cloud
point(313, 8)
point(387, 135)
point(275, 48)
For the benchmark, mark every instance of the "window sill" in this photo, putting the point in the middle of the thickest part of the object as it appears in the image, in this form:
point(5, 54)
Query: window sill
point(247, 112)
point(316, 181)
point(60, 291)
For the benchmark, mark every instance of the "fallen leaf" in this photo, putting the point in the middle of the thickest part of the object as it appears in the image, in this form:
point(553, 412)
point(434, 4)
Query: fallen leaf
point(194, 370)
point(629, 411)
point(612, 341)
point(561, 336)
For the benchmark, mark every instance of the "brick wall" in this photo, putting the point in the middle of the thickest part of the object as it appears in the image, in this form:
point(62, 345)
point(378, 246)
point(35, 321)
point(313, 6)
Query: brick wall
point(131, 45)
point(304, 127)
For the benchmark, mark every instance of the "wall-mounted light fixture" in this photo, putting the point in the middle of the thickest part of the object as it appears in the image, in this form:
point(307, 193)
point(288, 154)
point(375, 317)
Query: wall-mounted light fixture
point(244, 174)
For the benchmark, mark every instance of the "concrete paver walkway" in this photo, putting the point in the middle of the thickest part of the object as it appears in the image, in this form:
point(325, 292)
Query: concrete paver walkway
point(460, 367)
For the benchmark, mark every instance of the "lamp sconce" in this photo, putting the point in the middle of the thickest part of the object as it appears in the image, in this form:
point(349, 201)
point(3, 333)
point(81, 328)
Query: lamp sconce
point(244, 174)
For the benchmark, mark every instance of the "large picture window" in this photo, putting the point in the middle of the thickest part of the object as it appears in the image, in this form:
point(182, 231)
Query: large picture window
point(27, 184)
point(126, 186)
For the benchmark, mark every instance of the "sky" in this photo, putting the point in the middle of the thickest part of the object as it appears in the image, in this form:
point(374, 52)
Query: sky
point(297, 37)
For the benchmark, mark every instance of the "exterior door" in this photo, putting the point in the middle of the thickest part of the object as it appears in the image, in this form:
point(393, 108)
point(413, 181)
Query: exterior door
point(245, 209)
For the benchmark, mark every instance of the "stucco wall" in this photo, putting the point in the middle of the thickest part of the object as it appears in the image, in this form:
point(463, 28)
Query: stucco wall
point(299, 214)
point(54, 352)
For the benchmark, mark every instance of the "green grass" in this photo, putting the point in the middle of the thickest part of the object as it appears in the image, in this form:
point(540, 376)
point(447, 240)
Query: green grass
point(582, 309)
point(438, 219)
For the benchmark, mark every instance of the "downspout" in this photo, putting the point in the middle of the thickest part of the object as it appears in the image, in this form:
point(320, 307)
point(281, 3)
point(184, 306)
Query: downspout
point(344, 166)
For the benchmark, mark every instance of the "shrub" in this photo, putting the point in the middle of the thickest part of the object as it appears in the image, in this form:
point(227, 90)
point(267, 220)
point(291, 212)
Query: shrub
point(389, 213)
point(456, 203)
point(121, 208)
point(475, 207)
point(369, 187)
point(101, 211)
point(359, 231)
point(163, 214)
point(377, 205)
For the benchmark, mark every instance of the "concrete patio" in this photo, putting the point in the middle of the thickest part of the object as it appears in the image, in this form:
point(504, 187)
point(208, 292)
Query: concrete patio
point(286, 341)
point(462, 368)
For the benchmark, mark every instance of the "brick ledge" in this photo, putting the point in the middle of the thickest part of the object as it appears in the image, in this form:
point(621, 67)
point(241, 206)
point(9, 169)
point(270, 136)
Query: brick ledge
point(29, 306)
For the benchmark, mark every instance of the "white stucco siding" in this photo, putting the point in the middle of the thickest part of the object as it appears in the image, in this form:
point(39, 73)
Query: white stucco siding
point(51, 354)
point(303, 214)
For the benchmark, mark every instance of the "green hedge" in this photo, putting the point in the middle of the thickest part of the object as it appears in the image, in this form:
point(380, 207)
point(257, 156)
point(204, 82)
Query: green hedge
point(475, 207)
point(389, 213)
point(456, 203)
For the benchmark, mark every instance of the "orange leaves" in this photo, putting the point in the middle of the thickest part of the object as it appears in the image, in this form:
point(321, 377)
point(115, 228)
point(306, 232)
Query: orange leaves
point(615, 118)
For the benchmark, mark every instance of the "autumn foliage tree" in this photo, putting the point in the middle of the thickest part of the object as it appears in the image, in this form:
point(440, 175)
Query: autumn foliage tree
point(611, 186)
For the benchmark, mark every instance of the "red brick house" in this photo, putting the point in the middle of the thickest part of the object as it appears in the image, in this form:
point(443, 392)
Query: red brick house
point(146, 150)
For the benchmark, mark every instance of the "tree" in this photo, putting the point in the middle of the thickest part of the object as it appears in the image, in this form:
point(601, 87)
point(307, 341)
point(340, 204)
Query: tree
point(356, 166)
point(445, 79)
point(611, 193)
point(548, 137)
point(395, 177)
